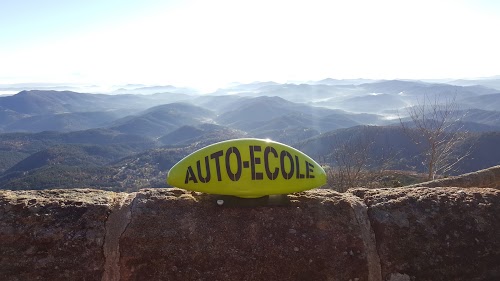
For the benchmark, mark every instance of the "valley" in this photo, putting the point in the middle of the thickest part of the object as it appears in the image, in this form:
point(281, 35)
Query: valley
point(129, 138)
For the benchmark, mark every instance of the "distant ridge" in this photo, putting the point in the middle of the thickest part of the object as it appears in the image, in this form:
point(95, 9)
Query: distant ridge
point(159, 120)
point(129, 141)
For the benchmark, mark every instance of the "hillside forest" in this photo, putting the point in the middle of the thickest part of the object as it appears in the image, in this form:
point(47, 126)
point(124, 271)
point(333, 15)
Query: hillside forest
point(372, 133)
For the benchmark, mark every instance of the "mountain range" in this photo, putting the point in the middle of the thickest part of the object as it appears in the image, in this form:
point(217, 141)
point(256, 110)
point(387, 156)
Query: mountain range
point(130, 138)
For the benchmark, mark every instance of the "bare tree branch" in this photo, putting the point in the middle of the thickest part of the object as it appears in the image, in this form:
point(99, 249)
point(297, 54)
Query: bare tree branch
point(436, 127)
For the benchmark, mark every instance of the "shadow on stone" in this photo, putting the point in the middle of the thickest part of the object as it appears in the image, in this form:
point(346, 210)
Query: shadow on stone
point(278, 200)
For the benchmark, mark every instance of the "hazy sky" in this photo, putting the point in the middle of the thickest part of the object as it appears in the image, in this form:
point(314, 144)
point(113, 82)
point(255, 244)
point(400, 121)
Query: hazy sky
point(208, 43)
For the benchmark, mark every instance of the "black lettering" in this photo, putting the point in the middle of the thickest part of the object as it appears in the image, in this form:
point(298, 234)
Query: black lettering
point(309, 170)
point(273, 175)
point(285, 174)
point(216, 156)
point(207, 169)
point(253, 161)
point(190, 176)
point(233, 176)
point(298, 174)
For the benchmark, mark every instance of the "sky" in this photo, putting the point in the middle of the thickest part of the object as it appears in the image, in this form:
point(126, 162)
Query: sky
point(207, 44)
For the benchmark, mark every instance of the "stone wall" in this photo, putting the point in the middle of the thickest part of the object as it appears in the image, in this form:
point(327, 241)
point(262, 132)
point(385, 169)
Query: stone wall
point(483, 178)
point(171, 234)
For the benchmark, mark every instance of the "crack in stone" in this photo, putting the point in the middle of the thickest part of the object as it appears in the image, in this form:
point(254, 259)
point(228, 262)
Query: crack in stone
point(368, 235)
point(116, 224)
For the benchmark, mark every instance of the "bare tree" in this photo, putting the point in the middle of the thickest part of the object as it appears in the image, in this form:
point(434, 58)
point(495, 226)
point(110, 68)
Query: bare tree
point(435, 126)
point(361, 158)
point(350, 158)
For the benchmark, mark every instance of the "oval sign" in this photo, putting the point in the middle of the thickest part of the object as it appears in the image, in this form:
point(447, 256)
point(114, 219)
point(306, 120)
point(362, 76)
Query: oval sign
point(247, 168)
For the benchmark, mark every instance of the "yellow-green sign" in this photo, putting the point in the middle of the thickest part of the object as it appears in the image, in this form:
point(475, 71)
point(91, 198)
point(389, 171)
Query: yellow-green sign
point(247, 168)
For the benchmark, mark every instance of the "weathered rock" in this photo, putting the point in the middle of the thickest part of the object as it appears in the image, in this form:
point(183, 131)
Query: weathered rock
point(171, 234)
point(175, 235)
point(489, 178)
point(436, 233)
point(53, 235)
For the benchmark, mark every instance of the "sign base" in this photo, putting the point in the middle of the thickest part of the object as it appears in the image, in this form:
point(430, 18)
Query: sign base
point(279, 200)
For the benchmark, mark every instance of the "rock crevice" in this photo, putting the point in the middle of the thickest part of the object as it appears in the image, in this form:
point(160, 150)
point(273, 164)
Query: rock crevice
point(361, 213)
point(116, 224)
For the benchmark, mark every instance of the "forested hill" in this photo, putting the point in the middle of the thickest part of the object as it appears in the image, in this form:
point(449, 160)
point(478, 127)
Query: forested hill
point(129, 140)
